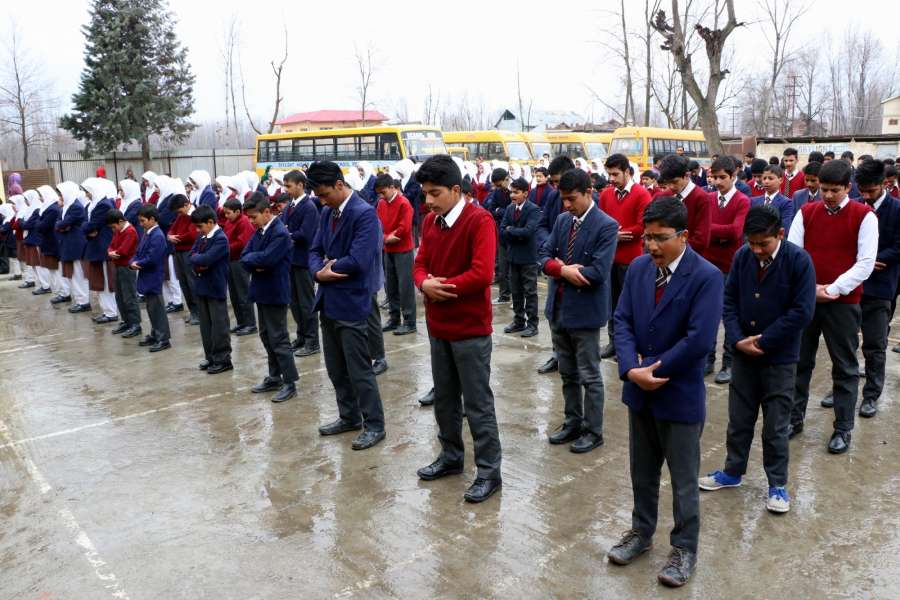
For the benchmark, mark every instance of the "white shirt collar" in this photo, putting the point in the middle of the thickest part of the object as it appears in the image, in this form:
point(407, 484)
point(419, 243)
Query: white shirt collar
point(880, 201)
point(299, 199)
point(627, 187)
point(769, 198)
point(267, 225)
point(728, 195)
point(582, 217)
point(152, 228)
point(212, 231)
point(687, 189)
point(344, 204)
point(453, 214)
point(126, 225)
point(392, 198)
point(774, 254)
point(674, 264)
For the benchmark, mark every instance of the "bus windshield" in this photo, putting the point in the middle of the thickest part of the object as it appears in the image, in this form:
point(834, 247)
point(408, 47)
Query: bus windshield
point(596, 149)
point(540, 148)
point(627, 146)
point(423, 144)
point(518, 151)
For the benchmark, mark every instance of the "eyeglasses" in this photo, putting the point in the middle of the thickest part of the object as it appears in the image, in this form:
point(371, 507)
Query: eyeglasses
point(660, 238)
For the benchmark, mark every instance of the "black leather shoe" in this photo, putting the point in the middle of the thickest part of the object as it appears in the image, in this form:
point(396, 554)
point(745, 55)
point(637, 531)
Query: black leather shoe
point(204, 365)
point(896, 347)
point(839, 443)
point(219, 368)
point(500, 300)
point(514, 328)
point(103, 320)
point(133, 331)
point(147, 341)
point(679, 568)
point(427, 399)
point(565, 434)
point(549, 367)
point(405, 329)
point(828, 401)
point(439, 468)
point(723, 376)
point(794, 429)
point(482, 489)
point(122, 328)
point(379, 366)
point(529, 331)
point(160, 346)
point(708, 369)
point(249, 330)
point(587, 442)
point(390, 326)
point(193, 320)
point(60, 299)
point(173, 308)
point(631, 546)
point(339, 426)
point(867, 409)
point(608, 351)
point(235, 329)
point(287, 391)
point(367, 439)
point(307, 351)
point(26, 285)
point(297, 344)
point(41, 291)
point(79, 308)
point(269, 384)
point(15, 278)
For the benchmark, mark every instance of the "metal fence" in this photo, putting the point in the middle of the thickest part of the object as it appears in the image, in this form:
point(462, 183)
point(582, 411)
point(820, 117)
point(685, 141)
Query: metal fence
point(73, 166)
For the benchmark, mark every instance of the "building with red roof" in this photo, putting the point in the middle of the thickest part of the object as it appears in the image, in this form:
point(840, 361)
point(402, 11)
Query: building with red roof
point(328, 119)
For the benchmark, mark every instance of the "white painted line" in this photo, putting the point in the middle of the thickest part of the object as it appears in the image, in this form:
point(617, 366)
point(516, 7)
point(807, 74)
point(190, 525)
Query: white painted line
point(33, 346)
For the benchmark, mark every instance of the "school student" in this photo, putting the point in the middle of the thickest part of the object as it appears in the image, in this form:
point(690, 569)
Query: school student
point(624, 201)
point(648, 181)
point(8, 235)
point(578, 258)
point(345, 259)
point(121, 250)
point(757, 167)
point(267, 259)
point(71, 241)
point(98, 234)
point(666, 322)
point(181, 235)
point(841, 237)
point(202, 193)
point(27, 271)
point(794, 179)
point(169, 188)
point(209, 260)
point(453, 270)
point(542, 187)
point(131, 203)
point(675, 175)
point(518, 231)
point(301, 219)
point(729, 209)
point(49, 248)
point(890, 180)
point(770, 296)
point(772, 178)
point(496, 204)
point(31, 242)
point(396, 215)
point(810, 191)
point(238, 229)
point(148, 261)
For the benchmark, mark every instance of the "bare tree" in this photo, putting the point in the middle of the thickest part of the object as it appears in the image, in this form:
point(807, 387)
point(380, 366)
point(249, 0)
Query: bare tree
point(650, 8)
point(714, 39)
point(431, 106)
point(781, 16)
point(524, 114)
point(365, 65)
point(614, 40)
point(230, 47)
point(277, 71)
point(812, 100)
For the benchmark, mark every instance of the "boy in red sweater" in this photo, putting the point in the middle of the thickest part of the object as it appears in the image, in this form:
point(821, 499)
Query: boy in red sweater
point(675, 175)
point(396, 215)
point(121, 250)
point(238, 229)
point(625, 202)
point(454, 269)
point(182, 235)
point(729, 211)
point(794, 179)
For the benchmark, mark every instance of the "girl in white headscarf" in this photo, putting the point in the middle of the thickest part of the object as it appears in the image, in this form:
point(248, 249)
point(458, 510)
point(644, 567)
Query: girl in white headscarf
point(353, 179)
point(103, 197)
point(366, 173)
point(19, 267)
point(238, 184)
point(31, 239)
point(199, 181)
point(49, 212)
point(131, 202)
point(582, 164)
point(8, 243)
point(72, 242)
point(149, 179)
point(276, 185)
point(168, 187)
point(225, 191)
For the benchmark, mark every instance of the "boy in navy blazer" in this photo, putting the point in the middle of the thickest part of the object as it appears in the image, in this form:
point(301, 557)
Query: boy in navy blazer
point(302, 219)
point(345, 258)
point(771, 182)
point(267, 257)
point(770, 296)
point(810, 191)
point(518, 230)
point(667, 319)
point(496, 204)
point(578, 258)
point(148, 262)
point(209, 260)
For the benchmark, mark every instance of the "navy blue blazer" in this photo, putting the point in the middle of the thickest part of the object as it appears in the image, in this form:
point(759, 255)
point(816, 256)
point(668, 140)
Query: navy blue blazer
point(30, 225)
point(355, 243)
point(741, 186)
point(368, 192)
point(551, 207)
point(210, 261)
point(131, 215)
point(46, 226)
point(784, 205)
point(150, 255)
point(412, 191)
point(69, 234)
point(778, 307)
point(302, 221)
point(267, 257)
point(584, 307)
point(496, 202)
point(7, 234)
point(800, 198)
point(208, 198)
point(882, 283)
point(679, 331)
point(522, 238)
point(96, 248)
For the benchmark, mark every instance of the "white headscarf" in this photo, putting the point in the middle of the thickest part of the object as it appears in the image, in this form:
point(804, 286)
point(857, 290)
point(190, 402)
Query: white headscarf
point(91, 186)
point(150, 178)
point(107, 189)
point(69, 191)
point(33, 203)
point(131, 193)
point(48, 197)
point(277, 184)
point(471, 170)
point(227, 191)
point(582, 164)
point(515, 171)
point(173, 185)
point(199, 180)
point(251, 179)
point(238, 183)
point(353, 179)
point(7, 210)
point(404, 169)
point(367, 170)
point(19, 204)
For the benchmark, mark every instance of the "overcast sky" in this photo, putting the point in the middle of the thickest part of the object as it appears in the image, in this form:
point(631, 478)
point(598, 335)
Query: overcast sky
point(461, 46)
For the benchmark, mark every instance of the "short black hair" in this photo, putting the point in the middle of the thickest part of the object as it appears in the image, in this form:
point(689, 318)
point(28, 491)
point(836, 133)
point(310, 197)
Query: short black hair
point(816, 156)
point(847, 154)
point(836, 172)
point(829, 154)
point(758, 166)
point(440, 170)
point(790, 152)
point(295, 176)
point(762, 219)
point(203, 214)
point(650, 173)
point(667, 211)
point(672, 167)
point(177, 201)
point(560, 165)
point(519, 184)
point(774, 160)
point(774, 170)
point(750, 155)
point(541, 170)
point(692, 165)
point(889, 161)
point(870, 172)
point(149, 211)
point(233, 205)
point(575, 180)
point(598, 181)
point(890, 170)
point(658, 157)
point(466, 187)
point(498, 175)
point(384, 180)
point(283, 198)
point(723, 163)
point(812, 168)
point(324, 172)
point(864, 157)
point(114, 216)
point(618, 161)
point(260, 202)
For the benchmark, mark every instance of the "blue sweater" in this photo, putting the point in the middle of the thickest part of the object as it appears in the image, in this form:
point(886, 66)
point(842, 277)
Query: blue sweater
point(210, 259)
point(882, 284)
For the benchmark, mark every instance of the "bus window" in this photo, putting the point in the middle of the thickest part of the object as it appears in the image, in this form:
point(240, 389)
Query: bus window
point(540, 149)
point(421, 144)
point(518, 151)
point(627, 146)
point(571, 149)
point(390, 147)
point(596, 149)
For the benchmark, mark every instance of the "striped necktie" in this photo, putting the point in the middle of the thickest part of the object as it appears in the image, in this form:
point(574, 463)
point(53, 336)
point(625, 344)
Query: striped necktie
point(721, 201)
point(573, 235)
point(833, 210)
point(662, 276)
point(442, 223)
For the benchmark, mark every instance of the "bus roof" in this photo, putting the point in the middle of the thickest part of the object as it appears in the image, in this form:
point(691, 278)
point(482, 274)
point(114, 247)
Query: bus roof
point(487, 135)
point(659, 133)
point(348, 131)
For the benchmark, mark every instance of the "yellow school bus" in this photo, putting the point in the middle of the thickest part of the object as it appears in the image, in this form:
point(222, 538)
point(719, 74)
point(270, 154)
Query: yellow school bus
point(460, 152)
point(382, 146)
point(492, 144)
point(539, 145)
point(641, 144)
point(578, 144)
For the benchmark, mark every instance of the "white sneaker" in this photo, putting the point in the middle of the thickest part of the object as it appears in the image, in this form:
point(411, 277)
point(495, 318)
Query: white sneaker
point(779, 501)
point(718, 480)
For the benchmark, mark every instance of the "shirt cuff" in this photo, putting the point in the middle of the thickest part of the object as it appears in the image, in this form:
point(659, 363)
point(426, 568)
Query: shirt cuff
point(833, 290)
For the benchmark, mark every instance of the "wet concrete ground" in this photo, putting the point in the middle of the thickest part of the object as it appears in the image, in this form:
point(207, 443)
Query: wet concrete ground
point(130, 475)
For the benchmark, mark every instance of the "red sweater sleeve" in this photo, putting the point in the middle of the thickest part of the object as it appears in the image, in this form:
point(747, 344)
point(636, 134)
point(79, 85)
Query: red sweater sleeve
point(420, 265)
point(553, 268)
point(404, 223)
point(484, 249)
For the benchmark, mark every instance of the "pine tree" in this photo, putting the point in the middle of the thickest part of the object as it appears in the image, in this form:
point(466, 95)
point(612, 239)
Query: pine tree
point(136, 81)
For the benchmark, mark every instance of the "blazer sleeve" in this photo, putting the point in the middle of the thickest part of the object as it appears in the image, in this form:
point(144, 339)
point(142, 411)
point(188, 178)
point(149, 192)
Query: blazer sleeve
point(803, 304)
point(624, 338)
point(787, 213)
point(528, 229)
point(731, 307)
point(74, 217)
point(602, 257)
point(890, 255)
point(274, 252)
point(317, 249)
point(97, 219)
point(215, 252)
point(366, 242)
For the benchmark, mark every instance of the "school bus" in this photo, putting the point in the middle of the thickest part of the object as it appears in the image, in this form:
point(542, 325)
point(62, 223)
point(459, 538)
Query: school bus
point(576, 144)
point(641, 144)
point(459, 151)
point(382, 146)
point(492, 144)
point(539, 144)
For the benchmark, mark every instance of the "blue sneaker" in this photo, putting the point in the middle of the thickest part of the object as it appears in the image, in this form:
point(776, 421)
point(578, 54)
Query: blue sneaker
point(779, 501)
point(718, 480)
